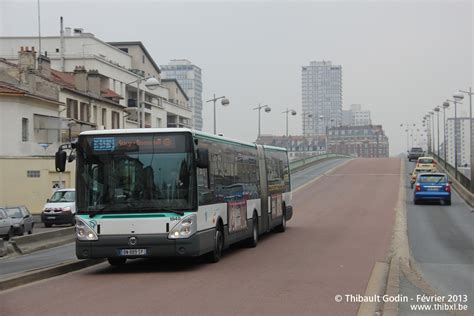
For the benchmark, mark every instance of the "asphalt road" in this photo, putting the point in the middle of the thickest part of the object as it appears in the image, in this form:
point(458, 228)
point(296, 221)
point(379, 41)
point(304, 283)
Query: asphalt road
point(53, 256)
point(441, 241)
point(36, 260)
point(342, 225)
point(308, 174)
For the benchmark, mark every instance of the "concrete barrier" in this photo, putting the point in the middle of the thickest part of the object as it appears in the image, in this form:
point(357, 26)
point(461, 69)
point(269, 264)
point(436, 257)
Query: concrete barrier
point(30, 243)
point(460, 189)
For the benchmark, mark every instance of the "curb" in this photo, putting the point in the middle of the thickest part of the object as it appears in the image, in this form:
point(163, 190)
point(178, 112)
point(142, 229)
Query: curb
point(399, 249)
point(376, 286)
point(46, 273)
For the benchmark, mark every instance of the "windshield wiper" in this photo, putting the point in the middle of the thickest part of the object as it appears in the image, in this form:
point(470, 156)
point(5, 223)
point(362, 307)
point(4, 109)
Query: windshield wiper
point(165, 209)
point(97, 210)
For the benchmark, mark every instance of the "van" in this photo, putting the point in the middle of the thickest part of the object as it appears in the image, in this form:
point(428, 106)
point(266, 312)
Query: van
point(60, 208)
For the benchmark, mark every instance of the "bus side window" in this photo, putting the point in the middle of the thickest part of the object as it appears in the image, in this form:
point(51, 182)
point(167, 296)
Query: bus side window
point(204, 193)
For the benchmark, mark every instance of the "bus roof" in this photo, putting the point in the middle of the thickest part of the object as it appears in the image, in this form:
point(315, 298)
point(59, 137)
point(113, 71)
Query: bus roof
point(174, 130)
point(134, 131)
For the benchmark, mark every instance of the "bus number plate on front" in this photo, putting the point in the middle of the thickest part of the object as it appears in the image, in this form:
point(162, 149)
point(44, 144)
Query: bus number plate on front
point(132, 252)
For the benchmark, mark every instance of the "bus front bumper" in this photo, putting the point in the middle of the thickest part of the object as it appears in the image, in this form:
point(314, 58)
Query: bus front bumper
point(159, 245)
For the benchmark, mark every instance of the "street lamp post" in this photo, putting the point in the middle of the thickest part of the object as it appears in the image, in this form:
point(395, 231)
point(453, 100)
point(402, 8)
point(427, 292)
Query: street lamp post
point(428, 128)
point(224, 102)
point(293, 112)
point(151, 83)
point(457, 99)
point(470, 93)
point(445, 106)
point(308, 115)
point(436, 109)
point(431, 113)
point(259, 108)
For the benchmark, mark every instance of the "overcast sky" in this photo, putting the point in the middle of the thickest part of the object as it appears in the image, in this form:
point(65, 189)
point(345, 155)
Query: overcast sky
point(400, 59)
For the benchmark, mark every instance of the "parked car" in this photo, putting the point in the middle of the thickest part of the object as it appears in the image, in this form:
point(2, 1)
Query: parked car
point(21, 219)
point(415, 173)
point(432, 186)
point(60, 208)
point(6, 225)
point(415, 153)
point(426, 162)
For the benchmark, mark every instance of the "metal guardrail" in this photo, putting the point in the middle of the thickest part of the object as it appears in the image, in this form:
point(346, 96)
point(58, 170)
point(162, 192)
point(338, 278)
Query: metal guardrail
point(463, 180)
point(297, 164)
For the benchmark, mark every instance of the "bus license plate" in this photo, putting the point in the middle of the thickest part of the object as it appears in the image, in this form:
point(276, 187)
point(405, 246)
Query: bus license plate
point(132, 252)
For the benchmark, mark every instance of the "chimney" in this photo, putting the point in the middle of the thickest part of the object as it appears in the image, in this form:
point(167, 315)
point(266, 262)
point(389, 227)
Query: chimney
point(80, 78)
point(44, 66)
point(27, 59)
point(93, 82)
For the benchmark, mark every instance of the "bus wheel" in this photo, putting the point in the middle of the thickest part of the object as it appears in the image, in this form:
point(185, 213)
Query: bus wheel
point(117, 261)
point(253, 240)
point(215, 255)
point(282, 227)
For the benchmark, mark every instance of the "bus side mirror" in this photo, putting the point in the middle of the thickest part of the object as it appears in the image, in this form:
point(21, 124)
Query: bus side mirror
point(60, 160)
point(202, 158)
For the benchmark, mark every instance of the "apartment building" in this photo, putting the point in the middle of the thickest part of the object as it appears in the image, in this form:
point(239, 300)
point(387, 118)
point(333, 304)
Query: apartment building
point(125, 64)
point(189, 77)
point(359, 141)
point(355, 116)
point(42, 106)
point(460, 127)
point(321, 97)
point(297, 146)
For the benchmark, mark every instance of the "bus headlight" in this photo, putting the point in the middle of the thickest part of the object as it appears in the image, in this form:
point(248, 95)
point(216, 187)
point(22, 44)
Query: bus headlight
point(84, 231)
point(185, 228)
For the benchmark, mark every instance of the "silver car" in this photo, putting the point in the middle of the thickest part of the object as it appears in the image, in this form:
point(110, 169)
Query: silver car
point(6, 225)
point(22, 219)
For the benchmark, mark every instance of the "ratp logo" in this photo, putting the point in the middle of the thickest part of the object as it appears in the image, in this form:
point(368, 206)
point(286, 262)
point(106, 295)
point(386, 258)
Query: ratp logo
point(93, 224)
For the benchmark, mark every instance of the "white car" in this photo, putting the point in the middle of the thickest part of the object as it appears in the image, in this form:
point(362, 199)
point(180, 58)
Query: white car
point(60, 208)
point(6, 225)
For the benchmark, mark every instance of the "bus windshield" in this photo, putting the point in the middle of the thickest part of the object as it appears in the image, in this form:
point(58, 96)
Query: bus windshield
point(136, 173)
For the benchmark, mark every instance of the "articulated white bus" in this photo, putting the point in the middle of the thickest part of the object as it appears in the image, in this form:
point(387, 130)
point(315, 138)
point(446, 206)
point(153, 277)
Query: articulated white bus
point(174, 193)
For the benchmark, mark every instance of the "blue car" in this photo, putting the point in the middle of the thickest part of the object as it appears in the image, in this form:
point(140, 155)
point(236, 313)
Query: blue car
point(432, 187)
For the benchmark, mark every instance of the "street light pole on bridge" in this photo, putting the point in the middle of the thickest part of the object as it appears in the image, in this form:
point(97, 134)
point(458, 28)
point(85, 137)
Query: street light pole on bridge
point(470, 93)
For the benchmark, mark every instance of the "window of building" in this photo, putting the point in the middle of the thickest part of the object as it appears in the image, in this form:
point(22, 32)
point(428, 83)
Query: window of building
point(143, 59)
point(94, 113)
point(104, 117)
point(33, 173)
point(45, 129)
point(115, 119)
point(84, 112)
point(24, 129)
point(123, 49)
point(71, 108)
